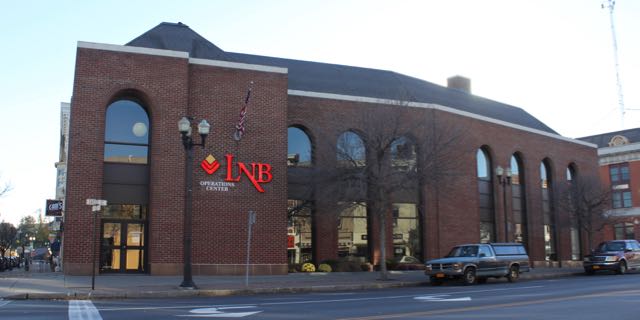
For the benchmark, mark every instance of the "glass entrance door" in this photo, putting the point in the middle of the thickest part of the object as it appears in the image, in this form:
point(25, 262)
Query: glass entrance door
point(123, 247)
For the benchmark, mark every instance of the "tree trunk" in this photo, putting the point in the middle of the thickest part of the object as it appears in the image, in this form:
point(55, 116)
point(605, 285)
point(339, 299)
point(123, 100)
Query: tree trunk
point(383, 246)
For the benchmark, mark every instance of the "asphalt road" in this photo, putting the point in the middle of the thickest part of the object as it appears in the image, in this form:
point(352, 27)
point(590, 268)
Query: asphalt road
point(582, 297)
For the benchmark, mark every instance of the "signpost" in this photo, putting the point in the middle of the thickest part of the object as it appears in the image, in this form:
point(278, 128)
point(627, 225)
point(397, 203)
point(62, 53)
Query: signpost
point(96, 206)
point(252, 221)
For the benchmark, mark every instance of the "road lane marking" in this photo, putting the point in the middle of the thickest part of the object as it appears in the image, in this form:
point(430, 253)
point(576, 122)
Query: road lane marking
point(466, 292)
point(4, 302)
point(220, 312)
point(83, 310)
point(493, 306)
point(441, 297)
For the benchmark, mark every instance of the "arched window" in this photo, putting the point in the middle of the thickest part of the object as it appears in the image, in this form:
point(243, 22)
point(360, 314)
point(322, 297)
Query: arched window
point(403, 154)
point(576, 248)
point(126, 136)
point(125, 186)
point(518, 200)
point(547, 213)
point(299, 148)
point(485, 191)
point(351, 150)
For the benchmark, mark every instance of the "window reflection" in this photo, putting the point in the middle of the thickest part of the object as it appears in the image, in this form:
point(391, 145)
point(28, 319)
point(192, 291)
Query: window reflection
point(299, 240)
point(352, 232)
point(403, 154)
point(298, 148)
point(406, 231)
point(351, 150)
point(126, 133)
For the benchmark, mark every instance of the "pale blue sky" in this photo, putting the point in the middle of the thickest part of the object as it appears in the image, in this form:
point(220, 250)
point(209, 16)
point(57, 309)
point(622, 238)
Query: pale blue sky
point(553, 58)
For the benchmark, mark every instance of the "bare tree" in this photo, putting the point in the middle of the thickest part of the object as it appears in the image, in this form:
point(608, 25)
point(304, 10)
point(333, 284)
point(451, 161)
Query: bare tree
point(391, 153)
point(4, 189)
point(586, 200)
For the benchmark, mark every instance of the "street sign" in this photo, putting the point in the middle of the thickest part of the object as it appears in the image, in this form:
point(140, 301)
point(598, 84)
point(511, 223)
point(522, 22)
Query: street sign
point(96, 202)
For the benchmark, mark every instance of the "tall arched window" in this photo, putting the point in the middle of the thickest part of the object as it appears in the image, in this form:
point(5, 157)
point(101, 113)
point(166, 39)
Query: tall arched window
point(485, 192)
point(299, 148)
point(518, 200)
point(548, 216)
point(125, 186)
point(351, 150)
point(576, 248)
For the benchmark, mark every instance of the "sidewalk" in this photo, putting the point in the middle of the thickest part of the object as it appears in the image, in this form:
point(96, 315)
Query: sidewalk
point(40, 284)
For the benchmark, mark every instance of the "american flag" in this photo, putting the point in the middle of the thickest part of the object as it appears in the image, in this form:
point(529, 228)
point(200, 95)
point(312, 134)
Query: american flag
point(243, 115)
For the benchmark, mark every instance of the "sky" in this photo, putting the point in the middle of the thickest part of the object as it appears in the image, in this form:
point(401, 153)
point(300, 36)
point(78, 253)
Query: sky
point(552, 58)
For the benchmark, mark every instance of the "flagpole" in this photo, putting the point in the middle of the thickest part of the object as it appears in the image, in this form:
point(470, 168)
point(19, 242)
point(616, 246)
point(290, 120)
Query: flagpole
point(243, 115)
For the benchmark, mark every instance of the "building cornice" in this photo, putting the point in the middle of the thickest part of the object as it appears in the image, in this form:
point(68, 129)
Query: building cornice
point(321, 95)
point(130, 49)
point(237, 65)
point(619, 154)
point(181, 55)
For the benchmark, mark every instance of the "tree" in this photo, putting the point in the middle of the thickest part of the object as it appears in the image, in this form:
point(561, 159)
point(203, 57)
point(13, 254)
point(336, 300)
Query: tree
point(7, 236)
point(586, 199)
point(383, 159)
point(4, 189)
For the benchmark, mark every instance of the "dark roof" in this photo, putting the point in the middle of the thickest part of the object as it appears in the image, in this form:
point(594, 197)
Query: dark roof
point(340, 79)
point(603, 139)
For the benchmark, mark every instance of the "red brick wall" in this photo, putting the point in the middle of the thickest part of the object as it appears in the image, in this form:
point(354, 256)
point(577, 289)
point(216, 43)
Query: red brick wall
point(171, 88)
point(451, 211)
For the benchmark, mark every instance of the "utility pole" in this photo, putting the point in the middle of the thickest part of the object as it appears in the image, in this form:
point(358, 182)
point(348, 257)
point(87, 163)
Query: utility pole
point(610, 4)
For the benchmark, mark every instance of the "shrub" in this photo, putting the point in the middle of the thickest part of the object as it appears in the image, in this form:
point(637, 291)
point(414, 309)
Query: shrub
point(324, 268)
point(332, 263)
point(308, 267)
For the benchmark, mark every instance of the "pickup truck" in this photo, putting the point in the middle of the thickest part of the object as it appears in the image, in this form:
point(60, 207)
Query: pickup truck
point(477, 262)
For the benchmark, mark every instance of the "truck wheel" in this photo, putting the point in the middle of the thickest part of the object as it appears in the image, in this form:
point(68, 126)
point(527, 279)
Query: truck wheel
point(435, 281)
point(469, 276)
point(622, 268)
point(514, 274)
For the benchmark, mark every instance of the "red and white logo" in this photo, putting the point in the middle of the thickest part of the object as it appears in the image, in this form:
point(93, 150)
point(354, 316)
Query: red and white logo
point(257, 173)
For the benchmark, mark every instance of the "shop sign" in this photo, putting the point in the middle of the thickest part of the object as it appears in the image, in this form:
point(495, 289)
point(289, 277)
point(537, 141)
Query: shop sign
point(256, 173)
point(54, 208)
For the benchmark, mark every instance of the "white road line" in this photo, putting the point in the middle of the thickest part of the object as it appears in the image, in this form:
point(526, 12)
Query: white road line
point(343, 300)
point(4, 302)
point(83, 310)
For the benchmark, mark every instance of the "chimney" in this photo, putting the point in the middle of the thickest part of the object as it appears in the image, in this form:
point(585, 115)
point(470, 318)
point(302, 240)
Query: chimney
point(459, 83)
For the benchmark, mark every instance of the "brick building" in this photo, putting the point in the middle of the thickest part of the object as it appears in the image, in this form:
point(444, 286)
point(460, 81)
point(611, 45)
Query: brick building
point(619, 160)
point(495, 179)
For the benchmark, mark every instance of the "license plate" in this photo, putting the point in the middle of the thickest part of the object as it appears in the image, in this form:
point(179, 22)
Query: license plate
point(596, 267)
point(439, 275)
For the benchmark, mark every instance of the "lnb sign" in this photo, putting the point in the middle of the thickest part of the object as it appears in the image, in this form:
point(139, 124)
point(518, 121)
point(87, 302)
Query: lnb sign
point(54, 208)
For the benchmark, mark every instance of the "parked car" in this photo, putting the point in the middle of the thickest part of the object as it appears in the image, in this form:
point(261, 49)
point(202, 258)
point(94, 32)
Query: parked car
point(42, 253)
point(477, 262)
point(406, 263)
point(615, 255)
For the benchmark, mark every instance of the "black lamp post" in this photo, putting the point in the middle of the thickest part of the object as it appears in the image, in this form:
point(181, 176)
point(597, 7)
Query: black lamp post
point(504, 178)
point(184, 126)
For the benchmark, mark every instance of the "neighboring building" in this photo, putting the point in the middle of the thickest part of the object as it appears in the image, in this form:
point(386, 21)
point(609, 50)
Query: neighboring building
point(61, 165)
point(619, 160)
point(302, 118)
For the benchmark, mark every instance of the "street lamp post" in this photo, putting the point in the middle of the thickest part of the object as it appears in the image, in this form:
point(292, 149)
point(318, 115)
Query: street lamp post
point(504, 178)
point(184, 126)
